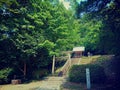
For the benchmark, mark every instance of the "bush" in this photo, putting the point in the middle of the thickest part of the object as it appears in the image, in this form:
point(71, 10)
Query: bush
point(4, 73)
point(40, 73)
point(78, 73)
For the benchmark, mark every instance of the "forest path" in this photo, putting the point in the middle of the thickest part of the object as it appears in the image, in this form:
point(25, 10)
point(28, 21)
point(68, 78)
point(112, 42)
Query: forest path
point(49, 83)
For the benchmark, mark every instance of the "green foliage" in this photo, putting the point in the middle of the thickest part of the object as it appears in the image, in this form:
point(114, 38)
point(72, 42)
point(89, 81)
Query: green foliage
point(7, 2)
point(90, 30)
point(4, 73)
point(108, 12)
point(49, 46)
point(78, 73)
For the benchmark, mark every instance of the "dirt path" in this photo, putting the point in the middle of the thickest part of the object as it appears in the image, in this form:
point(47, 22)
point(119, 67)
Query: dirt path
point(49, 83)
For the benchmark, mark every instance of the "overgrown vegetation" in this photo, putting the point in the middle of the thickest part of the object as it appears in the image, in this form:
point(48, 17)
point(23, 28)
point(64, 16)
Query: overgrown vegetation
point(78, 73)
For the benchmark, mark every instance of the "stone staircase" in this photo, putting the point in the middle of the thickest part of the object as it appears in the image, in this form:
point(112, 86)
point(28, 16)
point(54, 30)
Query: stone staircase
point(51, 83)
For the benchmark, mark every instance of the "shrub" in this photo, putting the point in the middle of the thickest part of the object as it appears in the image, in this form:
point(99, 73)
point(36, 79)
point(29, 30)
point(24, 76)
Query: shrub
point(40, 73)
point(4, 73)
point(78, 73)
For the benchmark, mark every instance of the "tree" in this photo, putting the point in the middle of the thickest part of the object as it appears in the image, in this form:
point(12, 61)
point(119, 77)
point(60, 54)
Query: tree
point(108, 12)
point(32, 33)
point(90, 33)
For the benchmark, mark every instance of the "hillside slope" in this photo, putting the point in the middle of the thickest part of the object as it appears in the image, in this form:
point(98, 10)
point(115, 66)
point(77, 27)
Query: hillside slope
point(110, 63)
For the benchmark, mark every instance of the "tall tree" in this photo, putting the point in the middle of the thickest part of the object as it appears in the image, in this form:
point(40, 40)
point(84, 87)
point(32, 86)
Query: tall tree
point(108, 12)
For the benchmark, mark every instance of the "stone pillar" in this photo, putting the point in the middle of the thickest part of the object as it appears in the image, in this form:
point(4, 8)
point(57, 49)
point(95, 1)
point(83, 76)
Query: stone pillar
point(53, 65)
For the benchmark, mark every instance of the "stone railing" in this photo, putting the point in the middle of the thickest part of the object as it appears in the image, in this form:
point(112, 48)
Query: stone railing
point(68, 64)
